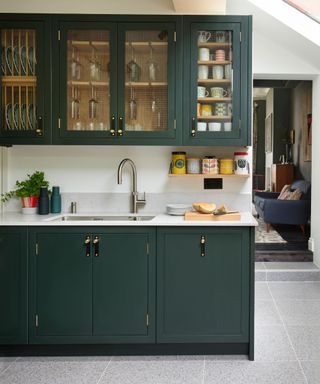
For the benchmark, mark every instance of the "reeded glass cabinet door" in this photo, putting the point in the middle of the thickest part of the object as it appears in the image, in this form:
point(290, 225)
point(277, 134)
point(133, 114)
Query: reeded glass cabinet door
point(22, 81)
point(87, 75)
point(146, 79)
point(215, 81)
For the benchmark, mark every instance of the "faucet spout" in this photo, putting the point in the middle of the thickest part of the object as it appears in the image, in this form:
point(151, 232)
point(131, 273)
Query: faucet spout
point(135, 199)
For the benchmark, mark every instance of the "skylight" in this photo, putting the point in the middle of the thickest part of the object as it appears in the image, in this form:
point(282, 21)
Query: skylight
point(310, 8)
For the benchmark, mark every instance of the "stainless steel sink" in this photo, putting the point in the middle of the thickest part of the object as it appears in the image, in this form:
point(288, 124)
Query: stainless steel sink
point(103, 218)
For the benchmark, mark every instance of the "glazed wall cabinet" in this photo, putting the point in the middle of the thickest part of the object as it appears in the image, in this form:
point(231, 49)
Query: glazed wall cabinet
point(203, 286)
point(117, 81)
point(25, 80)
point(91, 285)
point(217, 80)
point(13, 285)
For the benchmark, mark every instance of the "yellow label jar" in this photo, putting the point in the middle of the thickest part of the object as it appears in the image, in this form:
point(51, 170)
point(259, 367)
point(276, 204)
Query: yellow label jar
point(226, 166)
point(178, 163)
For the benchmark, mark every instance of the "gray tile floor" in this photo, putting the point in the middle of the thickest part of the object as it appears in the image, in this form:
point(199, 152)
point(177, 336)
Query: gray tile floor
point(287, 352)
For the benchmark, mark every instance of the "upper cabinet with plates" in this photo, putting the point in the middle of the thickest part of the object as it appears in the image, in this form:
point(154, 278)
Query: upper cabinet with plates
point(25, 80)
point(136, 80)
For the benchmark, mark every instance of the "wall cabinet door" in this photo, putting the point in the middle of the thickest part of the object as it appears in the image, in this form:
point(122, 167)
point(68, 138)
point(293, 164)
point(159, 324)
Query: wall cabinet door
point(86, 107)
point(217, 81)
point(13, 285)
point(25, 81)
point(117, 82)
point(203, 285)
point(93, 286)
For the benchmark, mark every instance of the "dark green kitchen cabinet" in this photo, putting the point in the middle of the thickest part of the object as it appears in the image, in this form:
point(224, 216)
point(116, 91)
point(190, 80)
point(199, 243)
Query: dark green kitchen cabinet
point(25, 78)
point(118, 80)
point(13, 285)
point(92, 285)
point(217, 80)
point(204, 285)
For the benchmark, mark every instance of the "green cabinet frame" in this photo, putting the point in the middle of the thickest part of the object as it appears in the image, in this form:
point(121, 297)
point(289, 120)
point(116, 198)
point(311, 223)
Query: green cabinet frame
point(13, 285)
point(242, 84)
point(92, 293)
point(117, 25)
point(42, 25)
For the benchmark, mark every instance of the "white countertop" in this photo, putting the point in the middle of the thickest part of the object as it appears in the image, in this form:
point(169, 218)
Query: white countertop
point(18, 219)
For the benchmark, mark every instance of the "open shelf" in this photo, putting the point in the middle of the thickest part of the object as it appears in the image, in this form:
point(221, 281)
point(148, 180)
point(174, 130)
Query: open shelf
point(206, 175)
point(19, 80)
point(214, 81)
point(213, 99)
point(214, 117)
point(85, 45)
point(136, 84)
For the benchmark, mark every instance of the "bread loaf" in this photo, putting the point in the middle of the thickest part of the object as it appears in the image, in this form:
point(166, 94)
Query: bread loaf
point(204, 207)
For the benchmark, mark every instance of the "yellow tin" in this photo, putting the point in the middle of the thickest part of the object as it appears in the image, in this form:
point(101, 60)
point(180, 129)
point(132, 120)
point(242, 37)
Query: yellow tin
point(178, 163)
point(226, 166)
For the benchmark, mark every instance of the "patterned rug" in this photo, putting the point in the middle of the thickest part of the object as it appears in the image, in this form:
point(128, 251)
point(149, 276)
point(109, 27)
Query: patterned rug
point(262, 236)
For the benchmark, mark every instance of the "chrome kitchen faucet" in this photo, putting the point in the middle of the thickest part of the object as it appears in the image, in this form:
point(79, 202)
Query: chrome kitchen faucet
point(135, 198)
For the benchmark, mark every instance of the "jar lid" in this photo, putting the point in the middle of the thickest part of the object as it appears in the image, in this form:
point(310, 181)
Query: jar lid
point(226, 160)
point(179, 153)
point(240, 153)
point(210, 157)
point(193, 158)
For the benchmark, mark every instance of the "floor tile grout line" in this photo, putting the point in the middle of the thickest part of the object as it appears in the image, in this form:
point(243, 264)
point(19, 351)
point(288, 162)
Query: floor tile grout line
point(203, 369)
point(104, 371)
point(12, 362)
point(289, 338)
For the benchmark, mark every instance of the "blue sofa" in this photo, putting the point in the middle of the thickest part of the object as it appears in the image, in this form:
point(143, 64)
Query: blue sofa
point(274, 211)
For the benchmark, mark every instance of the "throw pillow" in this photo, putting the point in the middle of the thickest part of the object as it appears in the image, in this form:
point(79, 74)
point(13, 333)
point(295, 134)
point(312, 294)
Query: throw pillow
point(284, 192)
point(290, 195)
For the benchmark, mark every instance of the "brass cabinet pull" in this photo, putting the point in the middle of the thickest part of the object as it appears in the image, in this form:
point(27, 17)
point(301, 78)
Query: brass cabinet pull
point(193, 127)
point(202, 246)
point(113, 126)
point(120, 130)
point(87, 243)
point(39, 130)
point(95, 244)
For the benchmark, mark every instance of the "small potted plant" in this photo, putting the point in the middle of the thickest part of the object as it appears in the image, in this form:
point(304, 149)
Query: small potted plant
point(28, 191)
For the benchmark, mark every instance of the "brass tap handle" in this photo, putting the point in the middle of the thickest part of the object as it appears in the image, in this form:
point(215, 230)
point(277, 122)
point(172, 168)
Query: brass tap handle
point(193, 127)
point(202, 246)
point(87, 243)
point(113, 126)
point(95, 242)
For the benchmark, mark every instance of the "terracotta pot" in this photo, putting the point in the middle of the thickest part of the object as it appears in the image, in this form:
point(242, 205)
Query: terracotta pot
point(29, 202)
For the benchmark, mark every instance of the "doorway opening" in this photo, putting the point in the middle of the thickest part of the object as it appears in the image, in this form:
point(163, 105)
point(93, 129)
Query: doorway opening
point(282, 143)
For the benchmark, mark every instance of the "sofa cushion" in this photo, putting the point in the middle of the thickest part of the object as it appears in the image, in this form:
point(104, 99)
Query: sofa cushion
point(291, 195)
point(284, 192)
point(304, 186)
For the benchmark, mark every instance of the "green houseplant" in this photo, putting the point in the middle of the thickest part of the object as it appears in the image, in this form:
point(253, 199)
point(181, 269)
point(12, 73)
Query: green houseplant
point(27, 190)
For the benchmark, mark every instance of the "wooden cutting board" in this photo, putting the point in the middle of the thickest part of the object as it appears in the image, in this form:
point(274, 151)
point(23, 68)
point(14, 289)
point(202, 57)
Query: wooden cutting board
point(197, 216)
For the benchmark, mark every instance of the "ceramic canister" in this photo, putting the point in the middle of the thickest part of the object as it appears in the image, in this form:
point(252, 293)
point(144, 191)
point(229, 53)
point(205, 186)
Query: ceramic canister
point(226, 166)
point(241, 164)
point(178, 163)
point(210, 165)
point(193, 165)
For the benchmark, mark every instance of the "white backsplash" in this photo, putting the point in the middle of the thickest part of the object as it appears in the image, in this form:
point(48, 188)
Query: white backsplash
point(88, 175)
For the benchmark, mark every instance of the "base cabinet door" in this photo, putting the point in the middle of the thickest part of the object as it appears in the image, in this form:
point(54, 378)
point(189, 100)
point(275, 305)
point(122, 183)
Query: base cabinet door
point(203, 285)
point(92, 285)
point(123, 286)
point(61, 278)
point(13, 285)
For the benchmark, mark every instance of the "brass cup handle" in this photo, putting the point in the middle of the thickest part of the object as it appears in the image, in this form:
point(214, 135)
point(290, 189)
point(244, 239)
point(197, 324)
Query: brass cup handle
point(202, 246)
point(95, 244)
point(113, 126)
point(87, 243)
point(193, 127)
point(120, 130)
